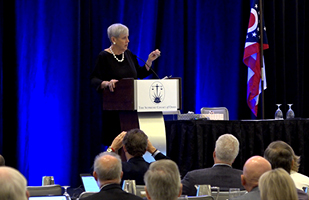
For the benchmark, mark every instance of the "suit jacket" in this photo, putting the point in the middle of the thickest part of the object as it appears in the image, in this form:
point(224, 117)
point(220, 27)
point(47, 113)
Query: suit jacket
point(136, 167)
point(302, 195)
point(223, 176)
point(254, 194)
point(112, 192)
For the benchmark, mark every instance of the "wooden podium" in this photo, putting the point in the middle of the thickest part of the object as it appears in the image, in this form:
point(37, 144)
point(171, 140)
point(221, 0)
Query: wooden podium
point(140, 104)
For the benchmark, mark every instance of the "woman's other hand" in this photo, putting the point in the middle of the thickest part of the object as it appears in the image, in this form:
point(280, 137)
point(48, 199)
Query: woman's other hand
point(109, 84)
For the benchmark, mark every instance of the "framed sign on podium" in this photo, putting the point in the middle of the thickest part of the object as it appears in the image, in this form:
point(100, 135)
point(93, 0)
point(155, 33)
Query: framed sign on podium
point(140, 104)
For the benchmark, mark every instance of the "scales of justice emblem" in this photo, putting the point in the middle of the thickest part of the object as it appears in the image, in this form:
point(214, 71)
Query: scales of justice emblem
point(157, 92)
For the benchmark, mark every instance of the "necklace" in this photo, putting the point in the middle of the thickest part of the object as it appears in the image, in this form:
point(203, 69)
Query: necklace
point(110, 48)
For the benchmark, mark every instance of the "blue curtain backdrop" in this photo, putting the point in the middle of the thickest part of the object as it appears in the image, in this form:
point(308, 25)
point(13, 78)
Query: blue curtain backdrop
point(47, 46)
point(50, 116)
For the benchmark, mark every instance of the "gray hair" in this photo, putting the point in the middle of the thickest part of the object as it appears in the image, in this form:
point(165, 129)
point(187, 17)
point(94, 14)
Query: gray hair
point(13, 185)
point(277, 185)
point(162, 180)
point(227, 148)
point(110, 170)
point(115, 30)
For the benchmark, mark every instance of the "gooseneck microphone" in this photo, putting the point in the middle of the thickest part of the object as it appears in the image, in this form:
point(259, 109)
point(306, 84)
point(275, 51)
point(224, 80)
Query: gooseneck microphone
point(149, 68)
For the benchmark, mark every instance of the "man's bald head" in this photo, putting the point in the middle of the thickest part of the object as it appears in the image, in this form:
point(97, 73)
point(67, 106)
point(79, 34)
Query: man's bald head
point(107, 167)
point(253, 169)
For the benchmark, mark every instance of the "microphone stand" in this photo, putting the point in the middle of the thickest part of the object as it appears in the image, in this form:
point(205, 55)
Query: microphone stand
point(149, 68)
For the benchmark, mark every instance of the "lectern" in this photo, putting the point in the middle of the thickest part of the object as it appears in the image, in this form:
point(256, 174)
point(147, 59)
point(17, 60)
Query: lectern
point(140, 104)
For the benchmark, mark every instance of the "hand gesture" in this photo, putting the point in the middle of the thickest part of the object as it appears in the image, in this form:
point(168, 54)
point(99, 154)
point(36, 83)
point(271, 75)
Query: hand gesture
point(117, 142)
point(154, 55)
point(150, 148)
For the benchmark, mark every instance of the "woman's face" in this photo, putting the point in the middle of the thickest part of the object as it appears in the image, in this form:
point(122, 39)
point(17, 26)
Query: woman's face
point(122, 42)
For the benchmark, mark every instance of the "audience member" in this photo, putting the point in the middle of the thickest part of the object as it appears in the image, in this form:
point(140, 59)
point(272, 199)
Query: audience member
point(13, 185)
point(279, 156)
point(299, 179)
point(163, 181)
point(221, 174)
point(135, 144)
point(277, 185)
point(253, 169)
point(2, 161)
point(108, 173)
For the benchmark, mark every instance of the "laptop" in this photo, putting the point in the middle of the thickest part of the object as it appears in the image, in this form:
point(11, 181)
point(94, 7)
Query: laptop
point(48, 198)
point(89, 183)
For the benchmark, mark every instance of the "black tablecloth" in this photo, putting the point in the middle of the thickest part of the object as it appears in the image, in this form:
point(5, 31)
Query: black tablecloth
point(191, 143)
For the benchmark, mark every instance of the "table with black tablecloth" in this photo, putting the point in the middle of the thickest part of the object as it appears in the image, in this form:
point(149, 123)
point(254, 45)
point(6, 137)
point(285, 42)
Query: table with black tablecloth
point(190, 143)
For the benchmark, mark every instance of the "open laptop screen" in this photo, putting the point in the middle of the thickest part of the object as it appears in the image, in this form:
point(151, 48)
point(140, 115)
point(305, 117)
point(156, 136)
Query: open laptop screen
point(48, 198)
point(89, 183)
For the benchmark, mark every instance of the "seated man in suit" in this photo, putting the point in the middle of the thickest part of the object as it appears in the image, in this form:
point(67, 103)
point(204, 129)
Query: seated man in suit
point(279, 155)
point(163, 181)
point(13, 184)
point(252, 171)
point(108, 173)
point(2, 161)
point(221, 174)
point(135, 143)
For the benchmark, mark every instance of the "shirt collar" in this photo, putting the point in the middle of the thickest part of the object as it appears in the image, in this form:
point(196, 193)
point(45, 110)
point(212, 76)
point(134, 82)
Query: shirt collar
point(221, 164)
point(105, 185)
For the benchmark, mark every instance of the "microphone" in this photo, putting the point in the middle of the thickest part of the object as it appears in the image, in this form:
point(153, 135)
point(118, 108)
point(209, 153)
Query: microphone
point(149, 67)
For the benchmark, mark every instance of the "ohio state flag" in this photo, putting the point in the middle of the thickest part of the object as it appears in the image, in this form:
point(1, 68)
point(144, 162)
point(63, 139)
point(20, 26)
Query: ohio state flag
point(252, 57)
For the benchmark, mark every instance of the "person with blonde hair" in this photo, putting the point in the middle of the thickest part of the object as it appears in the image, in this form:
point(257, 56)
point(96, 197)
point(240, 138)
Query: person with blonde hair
point(277, 185)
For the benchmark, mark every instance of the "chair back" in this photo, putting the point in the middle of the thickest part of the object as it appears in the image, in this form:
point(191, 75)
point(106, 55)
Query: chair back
point(215, 113)
point(86, 194)
point(204, 197)
point(207, 190)
point(46, 190)
point(224, 195)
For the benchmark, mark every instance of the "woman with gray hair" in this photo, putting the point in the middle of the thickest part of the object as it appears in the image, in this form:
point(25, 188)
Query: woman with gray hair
point(117, 61)
point(114, 63)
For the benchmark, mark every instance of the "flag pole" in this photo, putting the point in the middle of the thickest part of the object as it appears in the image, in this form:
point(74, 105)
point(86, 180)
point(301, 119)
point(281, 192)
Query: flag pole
point(261, 54)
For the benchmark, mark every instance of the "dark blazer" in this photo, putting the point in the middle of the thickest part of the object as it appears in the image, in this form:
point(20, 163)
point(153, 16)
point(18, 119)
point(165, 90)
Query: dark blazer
point(222, 176)
point(136, 167)
point(112, 192)
point(302, 195)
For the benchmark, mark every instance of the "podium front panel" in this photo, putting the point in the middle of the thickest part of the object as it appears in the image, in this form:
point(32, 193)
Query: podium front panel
point(156, 95)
